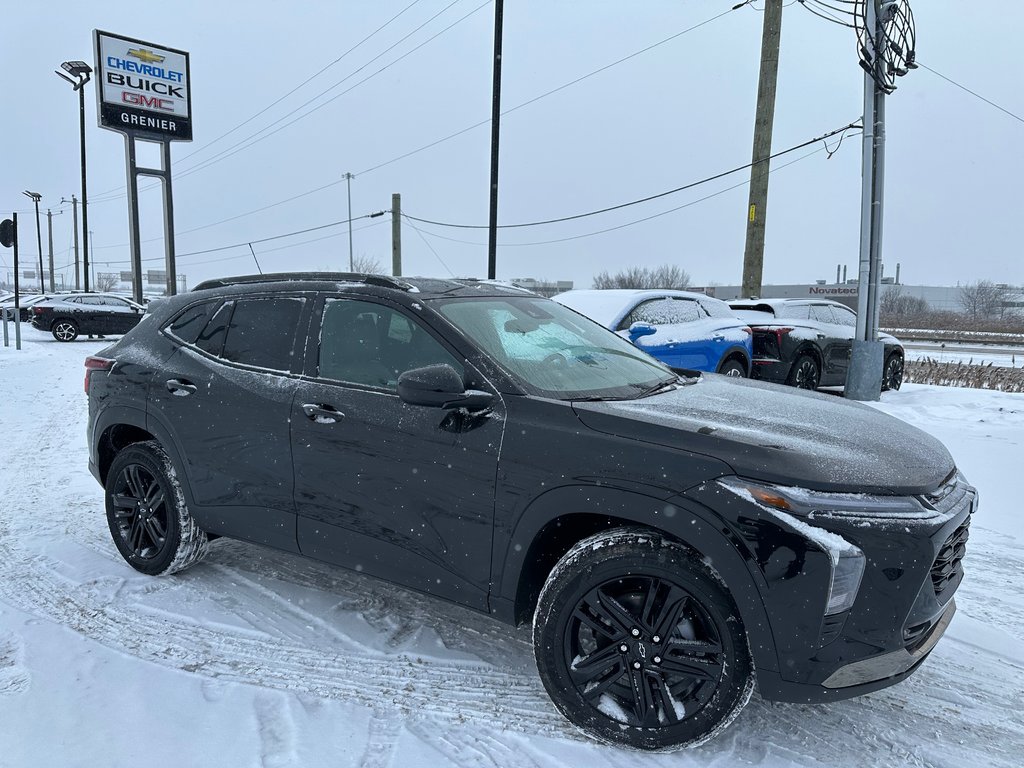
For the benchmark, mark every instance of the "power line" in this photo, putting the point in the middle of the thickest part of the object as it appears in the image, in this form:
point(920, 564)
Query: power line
point(256, 137)
point(304, 82)
point(973, 93)
point(254, 242)
point(691, 185)
point(427, 243)
point(635, 221)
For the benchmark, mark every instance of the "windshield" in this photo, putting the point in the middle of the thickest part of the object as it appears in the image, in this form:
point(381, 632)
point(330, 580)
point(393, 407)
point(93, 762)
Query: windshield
point(553, 351)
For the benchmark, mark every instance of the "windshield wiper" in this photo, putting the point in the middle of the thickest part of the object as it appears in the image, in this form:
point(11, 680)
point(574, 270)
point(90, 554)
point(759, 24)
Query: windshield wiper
point(661, 386)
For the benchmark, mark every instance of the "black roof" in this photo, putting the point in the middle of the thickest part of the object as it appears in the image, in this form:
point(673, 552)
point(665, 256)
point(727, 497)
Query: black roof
point(423, 287)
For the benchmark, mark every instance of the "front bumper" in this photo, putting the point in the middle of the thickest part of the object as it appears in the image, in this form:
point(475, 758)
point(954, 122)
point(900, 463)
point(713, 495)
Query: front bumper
point(902, 609)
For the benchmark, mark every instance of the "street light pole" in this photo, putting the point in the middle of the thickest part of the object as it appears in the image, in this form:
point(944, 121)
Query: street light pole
point(82, 72)
point(36, 197)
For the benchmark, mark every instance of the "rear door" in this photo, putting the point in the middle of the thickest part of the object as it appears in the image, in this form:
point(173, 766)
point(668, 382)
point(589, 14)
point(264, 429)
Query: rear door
point(394, 490)
point(225, 395)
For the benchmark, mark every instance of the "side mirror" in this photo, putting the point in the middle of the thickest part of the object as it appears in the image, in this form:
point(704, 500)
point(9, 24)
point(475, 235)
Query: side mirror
point(636, 330)
point(440, 386)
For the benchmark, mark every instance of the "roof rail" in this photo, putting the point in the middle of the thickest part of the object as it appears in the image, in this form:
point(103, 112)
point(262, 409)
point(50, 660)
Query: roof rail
point(382, 281)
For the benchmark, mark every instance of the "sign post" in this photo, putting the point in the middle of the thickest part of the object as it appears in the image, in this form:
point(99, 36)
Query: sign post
point(145, 93)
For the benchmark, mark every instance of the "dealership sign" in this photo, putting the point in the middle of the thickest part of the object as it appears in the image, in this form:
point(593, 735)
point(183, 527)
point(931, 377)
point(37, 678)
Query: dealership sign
point(144, 89)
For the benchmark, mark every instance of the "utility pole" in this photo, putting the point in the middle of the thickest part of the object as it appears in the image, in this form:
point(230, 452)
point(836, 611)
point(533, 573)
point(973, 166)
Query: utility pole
point(492, 228)
point(757, 208)
point(49, 233)
point(74, 216)
point(396, 235)
point(35, 197)
point(348, 185)
point(864, 380)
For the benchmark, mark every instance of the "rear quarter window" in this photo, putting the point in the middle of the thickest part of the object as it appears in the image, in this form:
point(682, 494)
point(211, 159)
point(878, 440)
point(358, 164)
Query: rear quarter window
point(187, 326)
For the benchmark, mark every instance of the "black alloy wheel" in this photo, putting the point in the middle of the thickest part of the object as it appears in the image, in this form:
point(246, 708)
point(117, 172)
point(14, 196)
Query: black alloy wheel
point(146, 513)
point(641, 648)
point(892, 374)
point(805, 373)
point(141, 512)
point(65, 330)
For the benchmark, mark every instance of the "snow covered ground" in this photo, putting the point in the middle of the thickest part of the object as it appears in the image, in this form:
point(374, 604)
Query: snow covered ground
point(259, 658)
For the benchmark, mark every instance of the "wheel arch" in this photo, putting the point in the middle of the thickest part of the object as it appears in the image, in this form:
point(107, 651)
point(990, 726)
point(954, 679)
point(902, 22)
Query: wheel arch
point(736, 352)
point(562, 517)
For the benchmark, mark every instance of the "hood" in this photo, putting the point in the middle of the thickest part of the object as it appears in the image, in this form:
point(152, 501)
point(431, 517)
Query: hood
point(782, 435)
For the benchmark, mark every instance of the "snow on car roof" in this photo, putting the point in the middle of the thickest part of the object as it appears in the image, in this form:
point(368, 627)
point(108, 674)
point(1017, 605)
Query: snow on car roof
point(609, 306)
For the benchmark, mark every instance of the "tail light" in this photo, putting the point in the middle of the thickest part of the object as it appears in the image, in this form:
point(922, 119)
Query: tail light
point(747, 330)
point(37, 310)
point(96, 364)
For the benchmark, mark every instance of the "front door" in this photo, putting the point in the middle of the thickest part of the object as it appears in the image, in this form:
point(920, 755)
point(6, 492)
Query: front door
point(395, 490)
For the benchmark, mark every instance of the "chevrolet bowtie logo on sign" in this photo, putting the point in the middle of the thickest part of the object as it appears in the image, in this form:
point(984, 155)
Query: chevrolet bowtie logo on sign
point(147, 56)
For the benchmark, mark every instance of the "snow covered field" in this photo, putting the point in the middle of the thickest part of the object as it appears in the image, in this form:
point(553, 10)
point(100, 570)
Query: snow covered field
point(968, 353)
point(260, 658)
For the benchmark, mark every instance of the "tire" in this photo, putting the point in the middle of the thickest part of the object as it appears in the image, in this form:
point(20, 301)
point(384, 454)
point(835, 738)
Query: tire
point(733, 367)
point(146, 512)
point(805, 373)
point(594, 634)
point(64, 330)
point(892, 373)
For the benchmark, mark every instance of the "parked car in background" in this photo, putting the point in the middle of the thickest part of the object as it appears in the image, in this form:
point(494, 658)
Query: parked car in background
point(807, 343)
point(671, 538)
point(680, 328)
point(69, 315)
point(25, 304)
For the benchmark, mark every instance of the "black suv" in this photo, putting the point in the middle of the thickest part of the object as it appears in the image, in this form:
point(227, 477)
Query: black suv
point(672, 537)
point(807, 343)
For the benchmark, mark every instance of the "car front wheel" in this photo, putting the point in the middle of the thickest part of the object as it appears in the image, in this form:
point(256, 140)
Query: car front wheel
point(64, 330)
point(639, 644)
point(892, 374)
point(147, 515)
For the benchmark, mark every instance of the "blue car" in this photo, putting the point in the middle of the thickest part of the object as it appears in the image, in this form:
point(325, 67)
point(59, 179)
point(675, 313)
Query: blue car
point(680, 328)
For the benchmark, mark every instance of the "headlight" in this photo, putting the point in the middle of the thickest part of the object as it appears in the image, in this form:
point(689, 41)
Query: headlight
point(784, 502)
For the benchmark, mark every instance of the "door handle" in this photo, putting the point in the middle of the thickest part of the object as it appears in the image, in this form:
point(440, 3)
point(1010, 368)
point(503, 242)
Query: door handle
point(718, 337)
point(180, 387)
point(322, 414)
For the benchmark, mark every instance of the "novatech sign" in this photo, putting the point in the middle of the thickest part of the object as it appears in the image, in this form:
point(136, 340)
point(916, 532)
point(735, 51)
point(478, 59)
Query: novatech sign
point(144, 89)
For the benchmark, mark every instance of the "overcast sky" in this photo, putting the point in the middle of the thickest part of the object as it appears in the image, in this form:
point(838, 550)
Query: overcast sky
point(675, 114)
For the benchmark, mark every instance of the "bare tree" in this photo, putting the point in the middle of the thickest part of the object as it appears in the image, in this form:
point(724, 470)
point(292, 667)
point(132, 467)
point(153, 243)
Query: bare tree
point(368, 265)
point(106, 281)
point(982, 299)
point(896, 304)
point(668, 276)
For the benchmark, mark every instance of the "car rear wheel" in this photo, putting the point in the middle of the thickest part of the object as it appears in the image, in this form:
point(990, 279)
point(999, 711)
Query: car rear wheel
point(65, 330)
point(639, 644)
point(892, 374)
point(146, 512)
point(805, 373)
point(733, 367)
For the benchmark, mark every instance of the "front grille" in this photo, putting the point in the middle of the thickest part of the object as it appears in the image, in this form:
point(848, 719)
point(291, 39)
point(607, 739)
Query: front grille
point(947, 571)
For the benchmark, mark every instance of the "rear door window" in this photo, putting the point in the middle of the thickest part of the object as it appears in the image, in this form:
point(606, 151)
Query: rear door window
point(261, 332)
